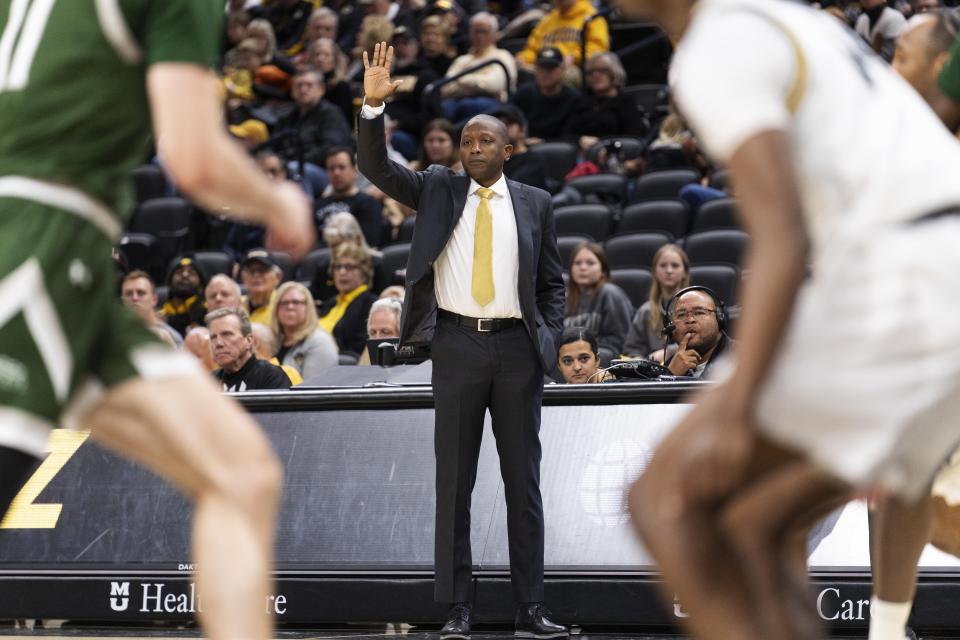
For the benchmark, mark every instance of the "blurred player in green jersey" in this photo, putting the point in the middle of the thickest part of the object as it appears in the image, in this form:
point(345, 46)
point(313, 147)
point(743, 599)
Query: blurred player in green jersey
point(81, 82)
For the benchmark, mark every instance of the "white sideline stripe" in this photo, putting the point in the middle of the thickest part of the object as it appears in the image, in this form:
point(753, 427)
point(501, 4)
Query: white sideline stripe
point(116, 31)
point(23, 431)
point(24, 290)
point(62, 197)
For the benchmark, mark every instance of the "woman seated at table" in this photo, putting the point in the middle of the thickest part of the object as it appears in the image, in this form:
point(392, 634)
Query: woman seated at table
point(303, 344)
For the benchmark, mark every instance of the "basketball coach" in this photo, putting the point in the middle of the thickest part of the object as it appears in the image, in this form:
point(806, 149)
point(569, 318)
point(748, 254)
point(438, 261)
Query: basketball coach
point(485, 290)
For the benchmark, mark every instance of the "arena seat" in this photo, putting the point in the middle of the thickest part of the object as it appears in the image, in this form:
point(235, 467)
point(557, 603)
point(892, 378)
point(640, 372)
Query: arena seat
point(663, 185)
point(721, 278)
point(285, 262)
point(558, 158)
point(720, 180)
point(566, 245)
point(166, 219)
point(631, 148)
point(139, 251)
point(634, 250)
point(149, 182)
point(665, 216)
point(316, 259)
point(635, 282)
point(716, 214)
point(602, 188)
point(405, 233)
point(394, 261)
point(213, 263)
point(721, 246)
point(594, 220)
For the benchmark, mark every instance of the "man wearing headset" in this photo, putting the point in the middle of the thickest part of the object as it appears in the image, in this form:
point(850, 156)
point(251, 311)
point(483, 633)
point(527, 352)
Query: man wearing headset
point(696, 321)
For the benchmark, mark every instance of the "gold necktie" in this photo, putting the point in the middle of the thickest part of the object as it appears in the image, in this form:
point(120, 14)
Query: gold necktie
point(481, 286)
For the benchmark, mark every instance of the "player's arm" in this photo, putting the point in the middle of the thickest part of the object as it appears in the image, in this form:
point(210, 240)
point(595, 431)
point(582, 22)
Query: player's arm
point(213, 169)
point(771, 212)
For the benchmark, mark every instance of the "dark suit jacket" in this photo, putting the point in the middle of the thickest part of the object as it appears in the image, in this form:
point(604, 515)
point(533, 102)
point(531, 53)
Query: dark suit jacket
point(438, 195)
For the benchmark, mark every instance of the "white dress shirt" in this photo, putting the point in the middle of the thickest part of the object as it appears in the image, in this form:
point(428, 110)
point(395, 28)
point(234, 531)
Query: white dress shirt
point(453, 270)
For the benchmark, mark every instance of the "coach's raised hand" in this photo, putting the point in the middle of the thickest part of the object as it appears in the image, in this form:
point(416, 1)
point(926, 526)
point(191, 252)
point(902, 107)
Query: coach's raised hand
point(377, 85)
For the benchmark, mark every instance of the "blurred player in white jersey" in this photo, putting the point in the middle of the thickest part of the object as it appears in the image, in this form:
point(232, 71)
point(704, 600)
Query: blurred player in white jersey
point(844, 379)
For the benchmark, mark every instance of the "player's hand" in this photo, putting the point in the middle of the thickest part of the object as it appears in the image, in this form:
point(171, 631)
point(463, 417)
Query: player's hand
point(719, 446)
point(685, 360)
point(290, 227)
point(377, 85)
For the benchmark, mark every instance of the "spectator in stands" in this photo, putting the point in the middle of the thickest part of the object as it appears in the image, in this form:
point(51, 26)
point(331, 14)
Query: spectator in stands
point(343, 228)
point(521, 166)
point(264, 348)
point(880, 26)
point(250, 133)
point(671, 272)
point(579, 358)
point(184, 306)
point(548, 102)
point(439, 146)
point(320, 125)
point(452, 13)
point(561, 28)
point(696, 326)
point(395, 291)
point(139, 294)
point(262, 31)
point(303, 345)
point(383, 323)
point(926, 6)
point(323, 23)
point(289, 21)
point(222, 291)
point(261, 276)
point(240, 67)
point(673, 148)
point(373, 30)
point(406, 106)
point(485, 88)
point(435, 49)
point(232, 347)
point(922, 50)
point(344, 195)
point(345, 314)
point(595, 303)
point(604, 111)
point(325, 56)
point(235, 28)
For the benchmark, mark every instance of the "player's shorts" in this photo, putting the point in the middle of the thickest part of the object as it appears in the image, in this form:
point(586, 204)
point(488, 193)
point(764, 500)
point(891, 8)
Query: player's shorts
point(867, 383)
point(65, 336)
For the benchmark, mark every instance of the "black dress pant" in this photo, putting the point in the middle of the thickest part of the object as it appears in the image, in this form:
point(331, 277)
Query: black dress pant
point(472, 372)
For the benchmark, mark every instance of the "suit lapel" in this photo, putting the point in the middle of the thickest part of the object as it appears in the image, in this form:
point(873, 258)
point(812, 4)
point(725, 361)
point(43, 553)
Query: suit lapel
point(459, 185)
point(525, 228)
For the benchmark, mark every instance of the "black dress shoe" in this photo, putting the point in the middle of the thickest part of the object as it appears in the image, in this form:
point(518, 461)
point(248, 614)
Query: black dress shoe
point(532, 622)
point(458, 623)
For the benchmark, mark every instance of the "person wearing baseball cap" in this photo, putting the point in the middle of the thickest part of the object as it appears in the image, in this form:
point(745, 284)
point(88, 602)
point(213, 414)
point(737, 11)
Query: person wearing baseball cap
point(184, 308)
point(261, 276)
point(548, 102)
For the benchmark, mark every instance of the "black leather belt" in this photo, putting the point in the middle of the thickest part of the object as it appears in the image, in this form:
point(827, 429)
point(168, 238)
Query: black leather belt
point(483, 325)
